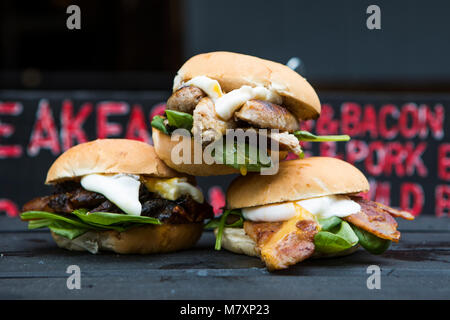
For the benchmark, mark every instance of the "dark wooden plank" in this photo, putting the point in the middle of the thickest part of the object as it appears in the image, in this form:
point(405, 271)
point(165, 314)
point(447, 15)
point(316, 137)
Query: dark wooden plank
point(31, 266)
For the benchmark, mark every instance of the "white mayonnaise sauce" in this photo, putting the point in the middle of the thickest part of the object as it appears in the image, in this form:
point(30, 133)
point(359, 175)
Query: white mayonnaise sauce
point(322, 208)
point(120, 189)
point(227, 104)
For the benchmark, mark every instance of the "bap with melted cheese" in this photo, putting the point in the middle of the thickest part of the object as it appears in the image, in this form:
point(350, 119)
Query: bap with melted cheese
point(117, 195)
point(311, 208)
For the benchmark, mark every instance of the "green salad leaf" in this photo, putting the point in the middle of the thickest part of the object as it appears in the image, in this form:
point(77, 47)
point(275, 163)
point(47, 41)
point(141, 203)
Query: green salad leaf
point(67, 230)
point(31, 215)
point(175, 119)
point(242, 155)
point(109, 219)
point(220, 224)
point(81, 221)
point(337, 239)
point(308, 136)
point(371, 242)
point(329, 223)
point(179, 119)
point(158, 123)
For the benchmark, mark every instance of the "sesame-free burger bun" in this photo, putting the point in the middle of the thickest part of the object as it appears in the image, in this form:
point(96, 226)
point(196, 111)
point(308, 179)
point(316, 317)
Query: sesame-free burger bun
point(108, 156)
point(297, 180)
point(234, 70)
point(164, 145)
point(138, 240)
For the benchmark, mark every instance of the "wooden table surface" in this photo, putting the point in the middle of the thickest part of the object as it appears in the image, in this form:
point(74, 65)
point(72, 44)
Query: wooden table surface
point(33, 267)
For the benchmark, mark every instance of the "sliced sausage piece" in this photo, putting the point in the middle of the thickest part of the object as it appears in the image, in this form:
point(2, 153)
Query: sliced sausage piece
point(185, 99)
point(207, 123)
point(264, 114)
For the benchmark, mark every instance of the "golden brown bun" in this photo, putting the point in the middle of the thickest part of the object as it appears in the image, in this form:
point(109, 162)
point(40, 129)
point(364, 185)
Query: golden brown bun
point(235, 240)
point(108, 156)
point(141, 240)
point(297, 180)
point(164, 146)
point(233, 70)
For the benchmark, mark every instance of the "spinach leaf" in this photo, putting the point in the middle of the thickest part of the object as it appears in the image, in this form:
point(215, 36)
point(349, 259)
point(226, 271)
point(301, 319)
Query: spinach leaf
point(158, 123)
point(338, 239)
point(83, 221)
point(329, 223)
point(179, 119)
point(220, 223)
point(371, 242)
point(308, 136)
point(242, 156)
point(110, 219)
point(31, 215)
point(66, 230)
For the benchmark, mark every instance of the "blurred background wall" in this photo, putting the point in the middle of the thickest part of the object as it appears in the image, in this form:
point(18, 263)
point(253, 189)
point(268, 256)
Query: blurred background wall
point(389, 88)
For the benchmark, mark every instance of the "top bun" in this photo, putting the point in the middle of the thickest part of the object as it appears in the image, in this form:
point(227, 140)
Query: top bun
point(108, 156)
point(234, 70)
point(297, 180)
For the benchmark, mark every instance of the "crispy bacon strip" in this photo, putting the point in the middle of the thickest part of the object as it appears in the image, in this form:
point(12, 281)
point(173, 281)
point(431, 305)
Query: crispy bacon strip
point(396, 213)
point(376, 219)
point(281, 244)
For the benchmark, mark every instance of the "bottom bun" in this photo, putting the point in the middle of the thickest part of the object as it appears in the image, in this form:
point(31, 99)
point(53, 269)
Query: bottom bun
point(140, 240)
point(164, 146)
point(237, 241)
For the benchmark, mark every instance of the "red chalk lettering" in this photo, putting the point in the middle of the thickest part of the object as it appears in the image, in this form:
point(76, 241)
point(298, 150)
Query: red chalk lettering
point(433, 121)
point(376, 151)
point(409, 121)
point(383, 193)
point(412, 198)
point(44, 134)
point(444, 161)
point(369, 122)
point(350, 118)
point(71, 127)
point(216, 198)
point(9, 207)
point(414, 162)
point(157, 110)
point(392, 111)
point(136, 128)
point(326, 124)
point(395, 157)
point(106, 129)
point(357, 150)
point(442, 203)
point(6, 130)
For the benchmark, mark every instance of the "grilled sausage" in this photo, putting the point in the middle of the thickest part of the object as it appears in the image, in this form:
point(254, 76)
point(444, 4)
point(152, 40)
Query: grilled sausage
point(185, 99)
point(264, 114)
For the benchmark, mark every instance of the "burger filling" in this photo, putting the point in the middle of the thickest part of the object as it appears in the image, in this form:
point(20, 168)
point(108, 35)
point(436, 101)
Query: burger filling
point(287, 233)
point(116, 202)
point(200, 106)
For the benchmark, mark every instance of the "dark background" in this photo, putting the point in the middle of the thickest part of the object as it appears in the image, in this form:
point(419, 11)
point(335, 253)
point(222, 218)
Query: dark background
point(130, 50)
point(138, 44)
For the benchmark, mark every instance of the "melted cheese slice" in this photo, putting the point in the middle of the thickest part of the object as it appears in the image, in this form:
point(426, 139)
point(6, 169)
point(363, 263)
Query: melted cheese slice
point(172, 189)
point(120, 189)
point(227, 104)
point(270, 251)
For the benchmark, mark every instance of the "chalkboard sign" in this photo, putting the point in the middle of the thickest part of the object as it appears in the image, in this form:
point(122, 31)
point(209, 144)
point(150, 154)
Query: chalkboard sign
point(399, 141)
